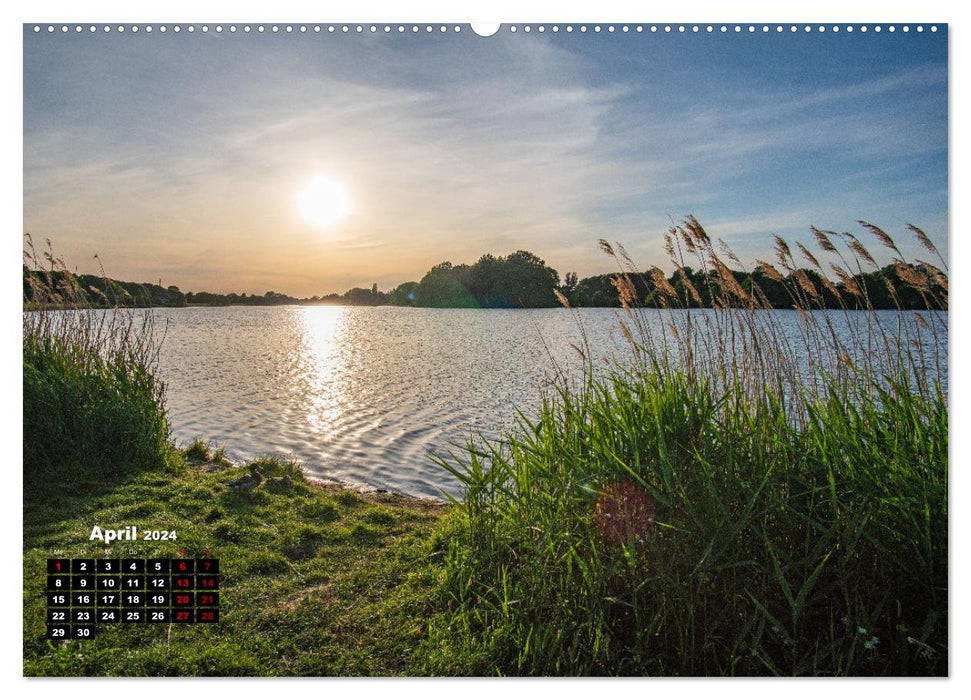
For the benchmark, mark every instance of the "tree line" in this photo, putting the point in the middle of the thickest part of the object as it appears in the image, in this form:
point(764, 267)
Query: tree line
point(520, 280)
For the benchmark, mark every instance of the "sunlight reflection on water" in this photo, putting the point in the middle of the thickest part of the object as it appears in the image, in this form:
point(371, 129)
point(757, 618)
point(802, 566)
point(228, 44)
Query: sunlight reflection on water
point(364, 395)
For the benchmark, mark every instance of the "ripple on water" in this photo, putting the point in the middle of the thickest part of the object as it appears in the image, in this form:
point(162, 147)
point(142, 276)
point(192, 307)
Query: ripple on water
point(365, 395)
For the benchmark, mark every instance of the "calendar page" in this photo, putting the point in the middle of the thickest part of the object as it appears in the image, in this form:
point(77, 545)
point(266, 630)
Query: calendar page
point(544, 349)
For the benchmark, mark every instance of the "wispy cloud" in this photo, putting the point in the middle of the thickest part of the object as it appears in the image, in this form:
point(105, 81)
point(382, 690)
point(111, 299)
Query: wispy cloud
point(448, 151)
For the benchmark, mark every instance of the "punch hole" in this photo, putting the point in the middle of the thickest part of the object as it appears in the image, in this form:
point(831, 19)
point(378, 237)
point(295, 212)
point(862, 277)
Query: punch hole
point(485, 28)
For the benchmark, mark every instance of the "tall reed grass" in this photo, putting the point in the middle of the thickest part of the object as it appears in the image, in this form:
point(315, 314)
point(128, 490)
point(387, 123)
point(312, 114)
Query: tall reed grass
point(93, 408)
point(736, 501)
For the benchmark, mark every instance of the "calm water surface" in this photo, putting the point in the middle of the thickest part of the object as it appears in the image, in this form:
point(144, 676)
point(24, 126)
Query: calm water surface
point(365, 395)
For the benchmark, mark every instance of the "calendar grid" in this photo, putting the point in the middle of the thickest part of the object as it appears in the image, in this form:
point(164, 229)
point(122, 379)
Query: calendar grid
point(84, 594)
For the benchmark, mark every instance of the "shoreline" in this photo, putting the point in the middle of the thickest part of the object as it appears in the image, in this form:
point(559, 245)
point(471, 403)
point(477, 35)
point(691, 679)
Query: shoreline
point(382, 494)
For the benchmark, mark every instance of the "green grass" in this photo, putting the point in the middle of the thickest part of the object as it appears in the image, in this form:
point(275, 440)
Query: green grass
point(313, 582)
point(93, 405)
point(712, 510)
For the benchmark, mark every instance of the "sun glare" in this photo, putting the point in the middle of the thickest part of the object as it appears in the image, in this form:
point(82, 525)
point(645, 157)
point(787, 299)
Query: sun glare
point(323, 202)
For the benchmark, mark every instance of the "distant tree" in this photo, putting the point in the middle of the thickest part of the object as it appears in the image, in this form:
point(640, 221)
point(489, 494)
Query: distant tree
point(520, 280)
point(359, 296)
point(405, 294)
point(483, 276)
point(569, 283)
point(440, 287)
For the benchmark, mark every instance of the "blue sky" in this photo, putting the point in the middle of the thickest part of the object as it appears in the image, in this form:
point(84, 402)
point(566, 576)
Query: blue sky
point(181, 156)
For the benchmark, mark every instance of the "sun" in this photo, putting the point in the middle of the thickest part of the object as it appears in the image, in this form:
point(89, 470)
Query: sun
point(323, 202)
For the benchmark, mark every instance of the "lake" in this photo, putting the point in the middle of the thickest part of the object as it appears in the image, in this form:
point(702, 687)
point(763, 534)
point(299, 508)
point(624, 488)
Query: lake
point(363, 395)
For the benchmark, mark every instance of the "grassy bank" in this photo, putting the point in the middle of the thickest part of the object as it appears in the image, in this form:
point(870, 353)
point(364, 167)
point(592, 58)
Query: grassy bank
point(315, 580)
point(739, 502)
